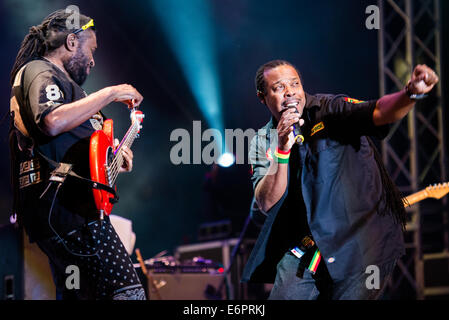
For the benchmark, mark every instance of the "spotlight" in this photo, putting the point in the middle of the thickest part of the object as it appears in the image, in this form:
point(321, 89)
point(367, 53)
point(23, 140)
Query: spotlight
point(192, 39)
point(226, 160)
point(13, 218)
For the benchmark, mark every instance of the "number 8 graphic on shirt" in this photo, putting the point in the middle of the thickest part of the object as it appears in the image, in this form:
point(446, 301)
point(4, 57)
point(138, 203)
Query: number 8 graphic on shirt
point(53, 92)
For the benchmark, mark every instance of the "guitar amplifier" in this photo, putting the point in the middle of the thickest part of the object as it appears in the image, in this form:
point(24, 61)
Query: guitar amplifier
point(221, 252)
point(184, 286)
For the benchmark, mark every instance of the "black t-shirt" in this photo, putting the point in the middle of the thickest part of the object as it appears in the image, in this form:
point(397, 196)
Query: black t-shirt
point(44, 88)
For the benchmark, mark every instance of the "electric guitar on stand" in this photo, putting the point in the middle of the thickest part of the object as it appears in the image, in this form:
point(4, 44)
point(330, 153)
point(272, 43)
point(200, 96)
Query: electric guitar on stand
point(436, 191)
point(106, 159)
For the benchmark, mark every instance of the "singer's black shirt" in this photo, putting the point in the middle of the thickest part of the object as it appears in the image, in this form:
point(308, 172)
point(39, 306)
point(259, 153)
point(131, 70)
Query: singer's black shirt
point(334, 192)
point(44, 88)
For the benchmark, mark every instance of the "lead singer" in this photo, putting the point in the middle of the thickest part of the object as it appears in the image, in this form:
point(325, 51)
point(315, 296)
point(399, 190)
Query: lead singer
point(332, 209)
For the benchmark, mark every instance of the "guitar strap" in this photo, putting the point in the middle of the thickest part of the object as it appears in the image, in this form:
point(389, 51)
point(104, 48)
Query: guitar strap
point(62, 170)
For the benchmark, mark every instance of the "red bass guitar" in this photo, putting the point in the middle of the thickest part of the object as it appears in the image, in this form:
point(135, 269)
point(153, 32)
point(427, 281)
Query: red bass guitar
point(106, 159)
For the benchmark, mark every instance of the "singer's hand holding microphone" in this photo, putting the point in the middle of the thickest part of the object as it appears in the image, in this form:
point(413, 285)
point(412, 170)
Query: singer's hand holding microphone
point(289, 128)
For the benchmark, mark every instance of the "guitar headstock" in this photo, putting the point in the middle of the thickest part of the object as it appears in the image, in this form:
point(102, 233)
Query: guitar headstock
point(136, 117)
point(438, 191)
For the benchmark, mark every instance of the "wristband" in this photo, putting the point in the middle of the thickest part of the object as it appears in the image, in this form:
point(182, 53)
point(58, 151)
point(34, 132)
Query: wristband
point(281, 156)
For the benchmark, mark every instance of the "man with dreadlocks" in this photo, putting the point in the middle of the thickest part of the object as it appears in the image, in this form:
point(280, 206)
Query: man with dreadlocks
point(331, 208)
point(52, 121)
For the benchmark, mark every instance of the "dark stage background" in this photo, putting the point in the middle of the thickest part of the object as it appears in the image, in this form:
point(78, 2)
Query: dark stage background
point(326, 40)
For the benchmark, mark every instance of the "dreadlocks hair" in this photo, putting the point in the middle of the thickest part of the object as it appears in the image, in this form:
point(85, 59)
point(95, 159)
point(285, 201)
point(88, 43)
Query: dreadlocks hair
point(44, 38)
point(260, 79)
point(391, 196)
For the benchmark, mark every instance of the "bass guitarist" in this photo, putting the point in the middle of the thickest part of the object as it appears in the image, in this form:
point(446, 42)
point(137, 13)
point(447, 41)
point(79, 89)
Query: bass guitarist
point(52, 122)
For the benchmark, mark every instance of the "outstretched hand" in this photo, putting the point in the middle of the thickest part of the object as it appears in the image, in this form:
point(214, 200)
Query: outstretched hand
point(423, 80)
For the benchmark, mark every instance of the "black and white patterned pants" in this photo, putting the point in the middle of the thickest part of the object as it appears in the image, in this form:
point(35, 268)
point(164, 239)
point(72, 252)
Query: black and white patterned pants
point(105, 268)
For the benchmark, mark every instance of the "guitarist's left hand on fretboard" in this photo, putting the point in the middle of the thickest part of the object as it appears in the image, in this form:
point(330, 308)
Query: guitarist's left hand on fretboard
point(127, 156)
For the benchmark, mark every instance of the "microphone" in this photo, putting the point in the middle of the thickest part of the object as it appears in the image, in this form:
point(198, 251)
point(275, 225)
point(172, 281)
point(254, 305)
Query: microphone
point(297, 133)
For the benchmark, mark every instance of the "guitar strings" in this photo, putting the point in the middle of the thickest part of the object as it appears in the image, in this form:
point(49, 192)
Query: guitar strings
point(118, 159)
point(118, 156)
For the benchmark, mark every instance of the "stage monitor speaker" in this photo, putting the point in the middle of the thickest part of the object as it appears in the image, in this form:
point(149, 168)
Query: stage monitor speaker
point(184, 286)
point(39, 283)
point(11, 263)
point(24, 270)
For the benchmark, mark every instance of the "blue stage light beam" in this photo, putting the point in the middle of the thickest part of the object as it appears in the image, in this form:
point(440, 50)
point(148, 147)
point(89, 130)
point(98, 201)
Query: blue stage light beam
point(189, 29)
point(22, 14)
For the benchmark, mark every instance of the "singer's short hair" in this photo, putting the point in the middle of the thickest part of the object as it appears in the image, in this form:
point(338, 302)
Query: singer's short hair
point(260, 79)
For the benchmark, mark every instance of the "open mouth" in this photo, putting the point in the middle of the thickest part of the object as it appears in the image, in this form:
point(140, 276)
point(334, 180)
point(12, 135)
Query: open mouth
point(290, 104)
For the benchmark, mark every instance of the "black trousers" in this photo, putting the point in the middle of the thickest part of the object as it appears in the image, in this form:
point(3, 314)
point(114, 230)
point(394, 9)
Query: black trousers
point(91, 263)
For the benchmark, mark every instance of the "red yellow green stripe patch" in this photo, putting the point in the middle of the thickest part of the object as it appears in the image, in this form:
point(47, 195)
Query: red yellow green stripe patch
point(355, 101)
point(313, 266)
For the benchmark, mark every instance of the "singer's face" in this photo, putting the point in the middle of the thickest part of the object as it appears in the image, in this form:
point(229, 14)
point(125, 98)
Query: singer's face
point(283, 87)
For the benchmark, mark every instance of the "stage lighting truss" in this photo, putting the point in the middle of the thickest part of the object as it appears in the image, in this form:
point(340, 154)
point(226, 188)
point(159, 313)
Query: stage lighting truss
point(414, 152)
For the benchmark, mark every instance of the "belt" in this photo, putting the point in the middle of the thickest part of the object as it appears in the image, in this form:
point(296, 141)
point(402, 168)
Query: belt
point(309, 254)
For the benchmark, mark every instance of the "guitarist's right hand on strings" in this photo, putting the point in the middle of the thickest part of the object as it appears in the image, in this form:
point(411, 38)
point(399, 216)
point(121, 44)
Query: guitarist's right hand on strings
point(127, 94)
